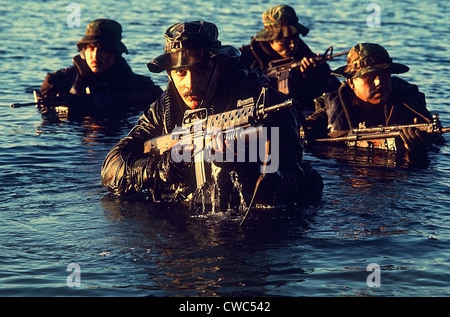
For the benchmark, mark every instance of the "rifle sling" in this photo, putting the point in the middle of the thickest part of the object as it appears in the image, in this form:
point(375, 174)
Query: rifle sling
point(260, 178)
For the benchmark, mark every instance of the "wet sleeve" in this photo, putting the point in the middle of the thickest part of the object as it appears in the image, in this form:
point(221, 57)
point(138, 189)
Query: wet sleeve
point(57, 83)
point(126, 168)
point(47, 87)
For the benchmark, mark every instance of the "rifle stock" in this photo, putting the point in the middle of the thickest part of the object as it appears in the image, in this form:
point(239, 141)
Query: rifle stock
point(384, 132)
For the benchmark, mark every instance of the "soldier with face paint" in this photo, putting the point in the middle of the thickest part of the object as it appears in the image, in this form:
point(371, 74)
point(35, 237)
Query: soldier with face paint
point(370, 95)
point(204, 74)
point(281, 39)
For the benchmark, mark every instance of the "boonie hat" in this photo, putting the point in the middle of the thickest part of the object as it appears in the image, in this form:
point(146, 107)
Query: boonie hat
point(280, 21)
point(190, 43)
point(365, 58)
point(106, 33)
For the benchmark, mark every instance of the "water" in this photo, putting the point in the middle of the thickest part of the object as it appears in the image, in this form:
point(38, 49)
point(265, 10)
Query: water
point(54, 210)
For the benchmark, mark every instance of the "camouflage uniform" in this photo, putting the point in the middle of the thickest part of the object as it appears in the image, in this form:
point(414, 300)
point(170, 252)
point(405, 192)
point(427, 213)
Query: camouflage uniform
point(127, 88)
point(340, 110)
point(282, 22)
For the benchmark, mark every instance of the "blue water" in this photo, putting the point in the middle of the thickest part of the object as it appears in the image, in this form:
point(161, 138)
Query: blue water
point(55, 212)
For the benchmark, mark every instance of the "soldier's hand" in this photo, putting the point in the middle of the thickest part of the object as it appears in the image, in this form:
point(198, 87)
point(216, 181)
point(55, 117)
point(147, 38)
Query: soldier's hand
point(414, 139)
point(307, 64)
point(40, 105)
point(219, 143)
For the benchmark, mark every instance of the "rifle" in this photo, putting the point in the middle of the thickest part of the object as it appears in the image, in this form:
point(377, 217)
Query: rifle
point(248, 113)
point(363, 133)
point(280, 68)
point(88, 98)
point(198, 124)
point(39, 101)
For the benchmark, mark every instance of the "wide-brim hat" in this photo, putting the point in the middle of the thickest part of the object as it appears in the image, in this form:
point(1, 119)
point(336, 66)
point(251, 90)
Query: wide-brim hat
point(190, 43)
point(365, 58)
point(105, 33)
point(279, 22)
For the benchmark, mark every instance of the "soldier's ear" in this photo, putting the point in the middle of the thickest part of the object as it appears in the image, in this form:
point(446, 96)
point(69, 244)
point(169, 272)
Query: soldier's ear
point(83, 56)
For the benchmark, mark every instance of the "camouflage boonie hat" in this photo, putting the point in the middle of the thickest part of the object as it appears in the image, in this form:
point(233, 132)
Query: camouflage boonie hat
point(279, 22)
point(365, 58)
point(106, 33)
point(190, 43)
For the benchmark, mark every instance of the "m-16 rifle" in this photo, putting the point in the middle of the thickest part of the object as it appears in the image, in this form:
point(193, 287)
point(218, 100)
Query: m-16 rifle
point(63, 100)
point(241, 124)
point(362, 133)
point(198, 125)
point(247, 113)
point(39, 101)
point(92, 101)
point(280, 69)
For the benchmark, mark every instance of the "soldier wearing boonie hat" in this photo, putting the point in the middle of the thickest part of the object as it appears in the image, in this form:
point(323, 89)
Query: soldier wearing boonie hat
point(188, 44)
point(280, 39)
point(204, 74)
point(280, 21)
point(370, 95)
point(106, 33)
point(365, 58)
point(191, 44)
point(100, 68)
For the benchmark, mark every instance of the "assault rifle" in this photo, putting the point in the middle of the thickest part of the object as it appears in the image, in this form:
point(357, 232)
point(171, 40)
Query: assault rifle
point(385, 132)
point(95, 100)
point(197, 123)
point(51, 102)
point(281, 68)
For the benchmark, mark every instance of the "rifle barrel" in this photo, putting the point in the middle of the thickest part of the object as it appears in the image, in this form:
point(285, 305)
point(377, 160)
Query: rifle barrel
point(25, 104)
point(286, 103)
point(373, 135)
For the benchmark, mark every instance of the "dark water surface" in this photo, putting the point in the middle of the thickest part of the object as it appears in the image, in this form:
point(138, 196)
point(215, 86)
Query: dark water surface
point(54, 211)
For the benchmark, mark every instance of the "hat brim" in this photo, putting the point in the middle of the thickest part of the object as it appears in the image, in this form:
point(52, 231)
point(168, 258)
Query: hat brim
point(393, 68)
point(265, 35)
point(188, 58)
point(118, 47)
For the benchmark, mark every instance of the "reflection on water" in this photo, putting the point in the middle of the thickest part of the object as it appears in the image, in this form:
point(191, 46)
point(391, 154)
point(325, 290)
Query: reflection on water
point(371, 157)
point(211, 246)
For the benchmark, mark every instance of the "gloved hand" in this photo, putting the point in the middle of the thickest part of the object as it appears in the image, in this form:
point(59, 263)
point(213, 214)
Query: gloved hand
point(414, 139)
point(169, 170)
point(307, 65)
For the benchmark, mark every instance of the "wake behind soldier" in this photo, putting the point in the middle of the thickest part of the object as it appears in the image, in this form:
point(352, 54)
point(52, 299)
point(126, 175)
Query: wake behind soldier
point(205, 79)
point(280, 41)
point(98, 70)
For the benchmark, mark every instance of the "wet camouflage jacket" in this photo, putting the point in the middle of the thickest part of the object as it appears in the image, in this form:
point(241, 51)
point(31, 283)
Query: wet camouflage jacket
point(128, 170)
point(303, 87)
point(120, 84)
